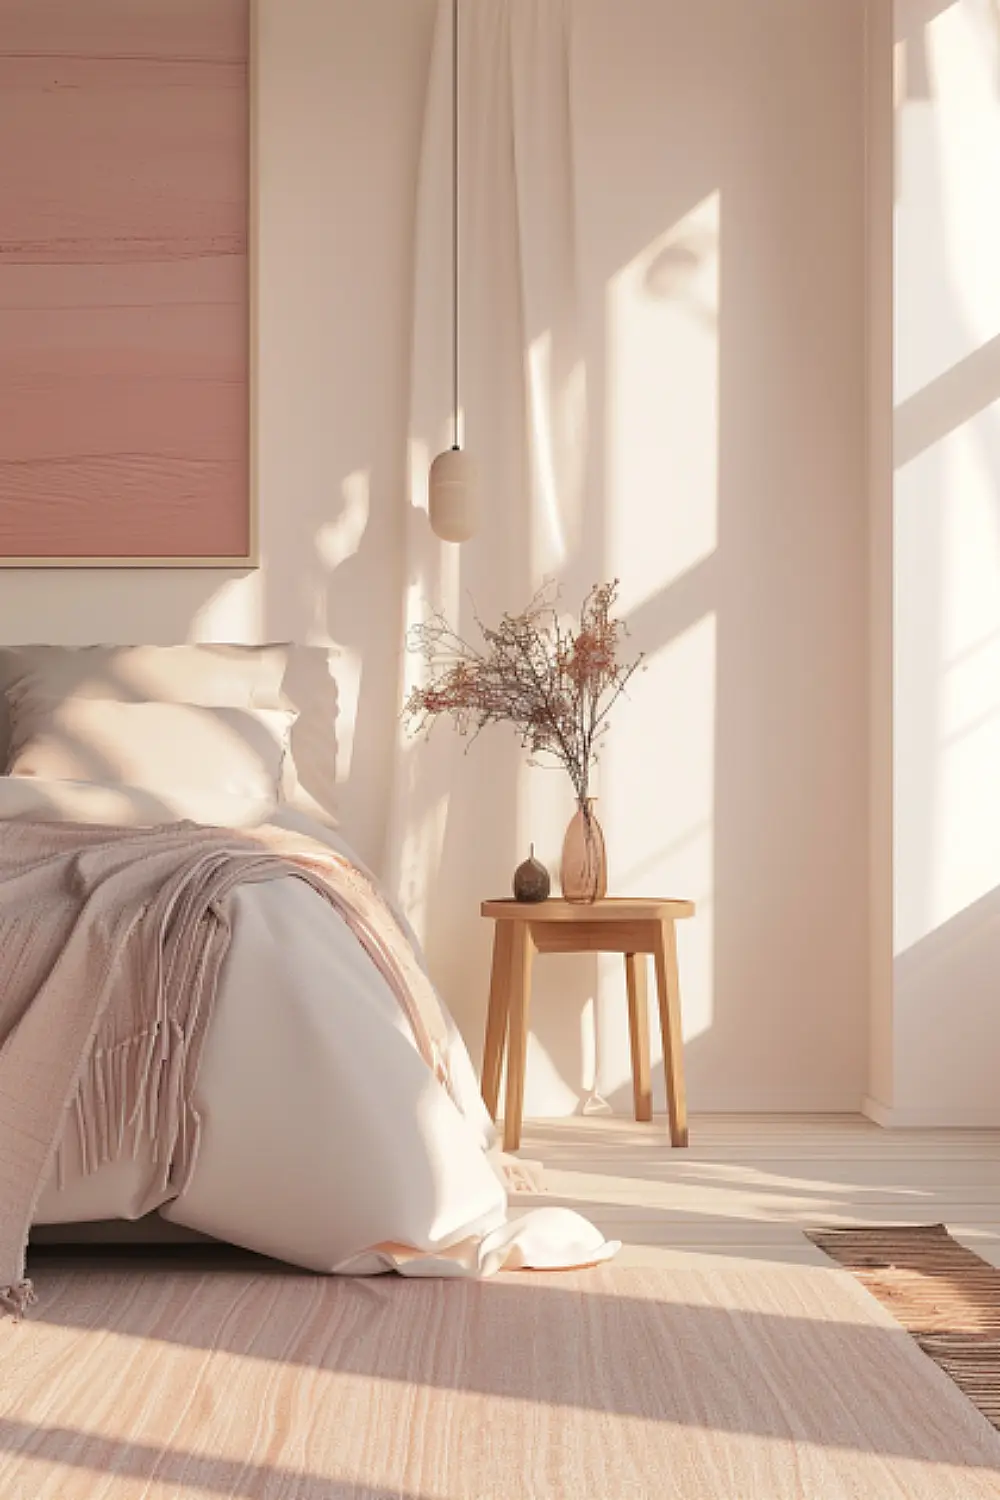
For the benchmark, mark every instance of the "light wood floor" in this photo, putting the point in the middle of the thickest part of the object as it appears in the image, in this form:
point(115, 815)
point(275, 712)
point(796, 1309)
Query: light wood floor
point(748, 1185)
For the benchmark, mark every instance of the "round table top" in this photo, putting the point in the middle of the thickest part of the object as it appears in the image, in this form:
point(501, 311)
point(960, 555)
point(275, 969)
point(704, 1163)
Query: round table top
point(610, 909)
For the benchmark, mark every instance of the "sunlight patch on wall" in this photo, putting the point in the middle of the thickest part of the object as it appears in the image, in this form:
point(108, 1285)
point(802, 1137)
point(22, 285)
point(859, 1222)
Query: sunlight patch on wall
point(548, 539)
point(557, 417)
point(947, 501)
point(588, 1047)
point(663, 406)
point(968, 808)
point(662, 522)
point(339, 539)
point(235, 612)
point(436, 579)
point(336, 541)
point(661, 793)
point(659, 810)
point(963, 50)
point(419, 473)
point(349, 670)
point(421, 817)
point(419, 857)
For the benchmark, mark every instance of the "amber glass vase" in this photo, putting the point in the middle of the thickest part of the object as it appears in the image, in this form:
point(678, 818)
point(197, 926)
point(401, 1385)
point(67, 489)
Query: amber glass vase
point(584, 869)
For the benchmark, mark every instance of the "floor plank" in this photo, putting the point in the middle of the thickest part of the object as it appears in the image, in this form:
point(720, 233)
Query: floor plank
point(748, 1185)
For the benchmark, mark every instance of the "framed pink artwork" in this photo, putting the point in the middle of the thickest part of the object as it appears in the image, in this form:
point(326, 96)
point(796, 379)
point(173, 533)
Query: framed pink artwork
point(125, 209)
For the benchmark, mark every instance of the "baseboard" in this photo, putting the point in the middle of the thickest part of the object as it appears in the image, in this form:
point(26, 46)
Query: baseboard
point(931, 1119)
point(736, 1100)
point(750, 1101)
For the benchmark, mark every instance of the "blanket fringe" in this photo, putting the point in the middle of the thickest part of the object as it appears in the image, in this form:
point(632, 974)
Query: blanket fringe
point(517, 1173)
point(116, 1104)
point(15, 1299)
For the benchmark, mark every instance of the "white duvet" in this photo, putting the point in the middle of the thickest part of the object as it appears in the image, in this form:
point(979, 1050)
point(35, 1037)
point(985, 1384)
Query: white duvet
point(324, 1132)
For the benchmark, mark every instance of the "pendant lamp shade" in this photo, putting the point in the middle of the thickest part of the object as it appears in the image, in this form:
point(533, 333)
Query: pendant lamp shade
point(452, 503)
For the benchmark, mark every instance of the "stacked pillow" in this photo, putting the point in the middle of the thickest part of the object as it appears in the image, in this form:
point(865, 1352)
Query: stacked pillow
point(152, 733)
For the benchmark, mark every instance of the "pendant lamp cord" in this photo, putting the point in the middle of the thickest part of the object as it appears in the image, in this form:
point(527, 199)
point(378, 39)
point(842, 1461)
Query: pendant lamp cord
point(454, 206)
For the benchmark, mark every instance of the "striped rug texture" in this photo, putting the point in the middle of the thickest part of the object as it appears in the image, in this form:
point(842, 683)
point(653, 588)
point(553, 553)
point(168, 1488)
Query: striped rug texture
point(752, 1381)
point(941, 1293)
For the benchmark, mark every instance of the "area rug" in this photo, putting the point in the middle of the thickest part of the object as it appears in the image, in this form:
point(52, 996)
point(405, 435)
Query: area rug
point(759, 1382)
point(943, 1294)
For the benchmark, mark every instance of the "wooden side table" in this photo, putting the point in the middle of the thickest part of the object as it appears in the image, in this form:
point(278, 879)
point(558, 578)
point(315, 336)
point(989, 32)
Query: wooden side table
point(634, 928)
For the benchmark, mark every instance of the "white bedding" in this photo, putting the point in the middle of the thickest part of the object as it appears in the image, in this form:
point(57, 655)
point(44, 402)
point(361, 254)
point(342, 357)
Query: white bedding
point(324, 1132)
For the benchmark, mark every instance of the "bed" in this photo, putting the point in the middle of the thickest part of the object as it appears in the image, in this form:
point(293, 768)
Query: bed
point(326, 1138)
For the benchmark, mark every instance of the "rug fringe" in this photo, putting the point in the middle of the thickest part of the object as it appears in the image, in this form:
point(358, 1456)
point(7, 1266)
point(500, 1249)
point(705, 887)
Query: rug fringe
point(944, 1295)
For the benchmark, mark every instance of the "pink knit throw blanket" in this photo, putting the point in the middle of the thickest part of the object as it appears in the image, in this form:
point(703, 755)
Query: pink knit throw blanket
point(111, 945)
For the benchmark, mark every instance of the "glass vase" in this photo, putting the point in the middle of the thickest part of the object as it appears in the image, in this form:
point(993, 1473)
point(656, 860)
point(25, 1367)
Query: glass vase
point(584, 870)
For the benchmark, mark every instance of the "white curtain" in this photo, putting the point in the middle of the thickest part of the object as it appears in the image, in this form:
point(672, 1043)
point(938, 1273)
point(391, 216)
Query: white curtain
point(459, 825)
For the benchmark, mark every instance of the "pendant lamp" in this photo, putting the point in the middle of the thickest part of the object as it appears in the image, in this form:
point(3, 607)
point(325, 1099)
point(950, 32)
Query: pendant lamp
point(452, 502)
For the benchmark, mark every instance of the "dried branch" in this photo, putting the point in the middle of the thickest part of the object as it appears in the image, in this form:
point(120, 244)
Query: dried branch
point(556, 685)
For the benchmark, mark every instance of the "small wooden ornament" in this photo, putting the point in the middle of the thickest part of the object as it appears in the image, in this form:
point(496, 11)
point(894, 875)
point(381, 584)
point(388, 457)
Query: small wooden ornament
point(531, 880)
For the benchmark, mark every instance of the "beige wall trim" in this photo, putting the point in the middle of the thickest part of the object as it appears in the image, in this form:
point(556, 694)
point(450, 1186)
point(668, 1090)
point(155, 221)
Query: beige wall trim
point(943, 1117)
point(879, 203)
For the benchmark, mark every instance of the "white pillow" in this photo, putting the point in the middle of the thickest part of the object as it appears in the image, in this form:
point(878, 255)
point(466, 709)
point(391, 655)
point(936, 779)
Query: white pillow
point(182, 754)
point(277, 675)
point(35, 799)
point(218, 676)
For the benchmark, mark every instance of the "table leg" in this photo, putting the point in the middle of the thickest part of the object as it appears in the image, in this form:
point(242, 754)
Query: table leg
point(496, 1016)
point(522, 952)
point(669, 994)
point(638, 1031)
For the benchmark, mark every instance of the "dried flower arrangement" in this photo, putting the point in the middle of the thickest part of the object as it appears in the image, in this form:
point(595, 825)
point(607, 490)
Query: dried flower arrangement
point(556, 683)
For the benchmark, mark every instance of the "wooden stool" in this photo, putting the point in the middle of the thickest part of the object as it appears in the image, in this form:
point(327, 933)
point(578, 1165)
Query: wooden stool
point(632, 927)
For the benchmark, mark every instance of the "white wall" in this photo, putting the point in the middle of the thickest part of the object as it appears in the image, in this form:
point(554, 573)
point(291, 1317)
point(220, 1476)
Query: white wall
point(721, 209)
point(719, 194)
point(946, 1019)
point(721, 159)
point(340, 101)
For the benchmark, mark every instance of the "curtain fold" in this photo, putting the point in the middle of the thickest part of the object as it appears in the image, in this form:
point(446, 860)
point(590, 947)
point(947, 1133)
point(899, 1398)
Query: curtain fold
point(457, 825)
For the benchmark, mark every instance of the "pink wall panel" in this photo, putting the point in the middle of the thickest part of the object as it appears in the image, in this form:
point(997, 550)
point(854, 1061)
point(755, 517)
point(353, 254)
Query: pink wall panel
point(124, 168)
